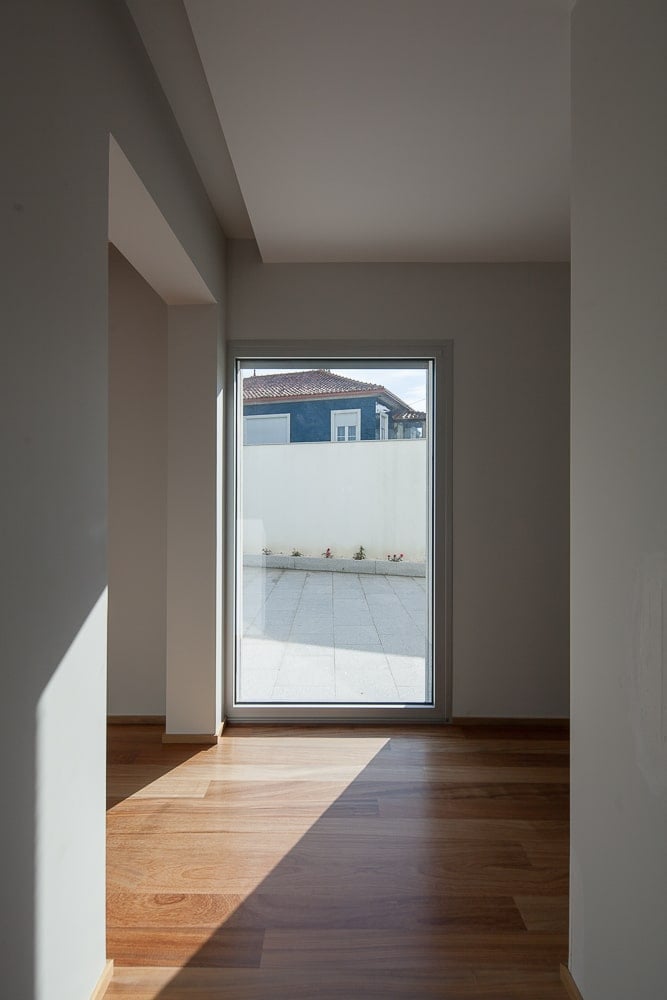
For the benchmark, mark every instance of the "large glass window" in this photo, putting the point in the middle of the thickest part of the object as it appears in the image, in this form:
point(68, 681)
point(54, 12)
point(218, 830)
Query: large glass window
point(339, 604)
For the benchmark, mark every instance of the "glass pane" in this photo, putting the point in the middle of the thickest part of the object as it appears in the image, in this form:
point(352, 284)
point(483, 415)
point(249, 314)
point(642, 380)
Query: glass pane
point(334, 575)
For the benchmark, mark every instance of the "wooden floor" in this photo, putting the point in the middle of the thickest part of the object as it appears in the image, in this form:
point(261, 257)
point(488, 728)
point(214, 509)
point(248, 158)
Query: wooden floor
point(338, 863)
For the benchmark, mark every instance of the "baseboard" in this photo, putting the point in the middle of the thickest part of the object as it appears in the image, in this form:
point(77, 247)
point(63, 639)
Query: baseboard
point(569, 983)
point(103, 982)
point(136, 720)
point(204, 739)
point(491, 720)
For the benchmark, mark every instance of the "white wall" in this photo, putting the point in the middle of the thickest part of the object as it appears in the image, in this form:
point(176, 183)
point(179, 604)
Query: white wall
point(192, 483)
point(510, 327)
point(73, 72)
point(314, 496)
point(137, 493)
point(618, 907)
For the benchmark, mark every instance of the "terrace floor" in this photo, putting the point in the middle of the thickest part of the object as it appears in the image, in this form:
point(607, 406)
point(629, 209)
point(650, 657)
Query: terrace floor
point(332, 637)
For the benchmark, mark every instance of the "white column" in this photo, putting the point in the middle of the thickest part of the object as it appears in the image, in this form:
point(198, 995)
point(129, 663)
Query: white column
point(618, 866)
point(193, 524)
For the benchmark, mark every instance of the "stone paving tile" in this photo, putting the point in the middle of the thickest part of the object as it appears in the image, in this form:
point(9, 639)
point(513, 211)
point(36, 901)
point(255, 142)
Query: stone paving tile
point(375, 584)
point(261, 654)
point(346, 583)
point(383, 599)
point(361, 659)
point(310, 694)
point(312, 646)
point(298, 671)
point(386, 622)
point(278, 603)
point(272, 613)
point(412, 694)
point(316, 621)
point(262, 631)
point(352, 616)
point(366, 685)
point(321, 633)
point(407, 671)
point(406, 643)
point(314, 599)
point(364, 637)
point(319, 636)
point(258, 685)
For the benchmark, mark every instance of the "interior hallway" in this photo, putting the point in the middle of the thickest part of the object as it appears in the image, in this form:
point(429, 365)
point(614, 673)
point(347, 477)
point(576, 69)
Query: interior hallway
point(352, 862)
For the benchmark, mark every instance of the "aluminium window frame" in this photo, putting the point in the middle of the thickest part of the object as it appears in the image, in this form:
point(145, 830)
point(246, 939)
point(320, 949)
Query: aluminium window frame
point(353, 354)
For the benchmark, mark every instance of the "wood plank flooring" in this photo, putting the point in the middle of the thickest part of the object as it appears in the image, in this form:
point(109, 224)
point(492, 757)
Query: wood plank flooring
point(356, 862)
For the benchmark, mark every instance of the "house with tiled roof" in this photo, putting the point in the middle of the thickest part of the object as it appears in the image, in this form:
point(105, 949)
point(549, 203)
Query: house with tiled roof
point(319, 405)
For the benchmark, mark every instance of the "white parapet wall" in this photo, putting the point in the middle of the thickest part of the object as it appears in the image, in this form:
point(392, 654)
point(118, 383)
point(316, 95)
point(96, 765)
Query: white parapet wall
point(316, 496)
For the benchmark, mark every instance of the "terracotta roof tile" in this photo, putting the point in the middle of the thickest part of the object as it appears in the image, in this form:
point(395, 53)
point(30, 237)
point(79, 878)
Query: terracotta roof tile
point(409, 415)
point(319, 382)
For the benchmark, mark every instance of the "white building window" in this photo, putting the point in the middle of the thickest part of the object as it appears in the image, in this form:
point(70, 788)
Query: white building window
point(346, 425)
point(267, 428)
point(383, 421)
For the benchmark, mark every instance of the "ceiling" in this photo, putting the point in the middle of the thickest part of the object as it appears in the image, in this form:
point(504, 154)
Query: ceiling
point(374, 130)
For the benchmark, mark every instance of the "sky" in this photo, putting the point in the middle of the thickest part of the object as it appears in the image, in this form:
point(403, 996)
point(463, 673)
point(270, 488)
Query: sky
point(409, 384)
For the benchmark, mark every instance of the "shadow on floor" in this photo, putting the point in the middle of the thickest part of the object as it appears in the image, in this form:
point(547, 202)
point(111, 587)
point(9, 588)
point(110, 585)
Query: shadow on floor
point(137, 757)
point(439, 871)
